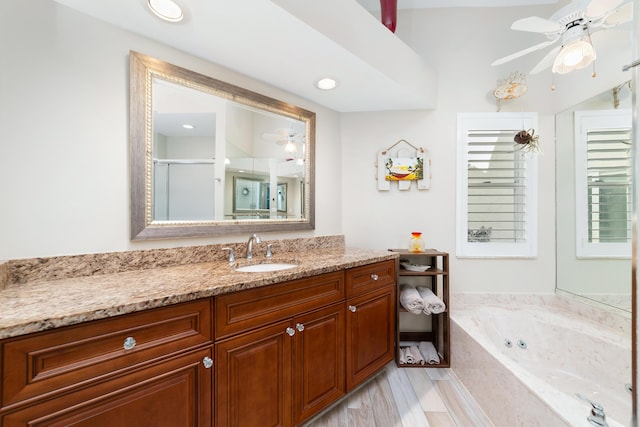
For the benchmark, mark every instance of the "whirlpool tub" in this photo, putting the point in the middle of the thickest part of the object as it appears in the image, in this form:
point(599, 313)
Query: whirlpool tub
point(526, 360)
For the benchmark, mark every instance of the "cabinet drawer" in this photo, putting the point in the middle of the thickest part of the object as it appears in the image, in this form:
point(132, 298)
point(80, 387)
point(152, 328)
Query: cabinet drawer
point(369, 277)
point(74, 356)
point(174, 392)
point(244, 310)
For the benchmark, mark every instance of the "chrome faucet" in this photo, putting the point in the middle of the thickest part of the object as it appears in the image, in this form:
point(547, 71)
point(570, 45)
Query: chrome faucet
point(597, 416)
point(253, 238)
point(232, 256)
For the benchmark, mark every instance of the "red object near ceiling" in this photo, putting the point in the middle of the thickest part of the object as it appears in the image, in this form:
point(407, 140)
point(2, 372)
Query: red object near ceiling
point(389, 13)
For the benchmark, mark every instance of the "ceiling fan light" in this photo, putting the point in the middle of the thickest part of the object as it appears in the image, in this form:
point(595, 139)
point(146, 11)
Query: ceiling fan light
point(290, 147)
point(574, 56)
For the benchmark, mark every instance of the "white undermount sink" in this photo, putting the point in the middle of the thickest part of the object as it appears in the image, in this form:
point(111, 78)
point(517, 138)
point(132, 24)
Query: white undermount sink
point(262, 268)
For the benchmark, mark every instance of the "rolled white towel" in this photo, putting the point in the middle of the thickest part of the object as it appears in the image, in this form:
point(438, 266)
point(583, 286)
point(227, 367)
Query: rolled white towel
point(432, 303)
point(409, 356)
point(402, 355)
point(429, 353)
point(411, 300)
point(415, 352)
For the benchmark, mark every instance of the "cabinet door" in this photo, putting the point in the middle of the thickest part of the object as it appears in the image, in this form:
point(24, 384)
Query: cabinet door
point(253, 378)
point(174, 393)
point(370, 334)
point(318, 363)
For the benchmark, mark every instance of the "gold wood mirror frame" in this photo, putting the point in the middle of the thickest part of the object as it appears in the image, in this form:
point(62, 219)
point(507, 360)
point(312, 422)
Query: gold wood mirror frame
point(145, 74)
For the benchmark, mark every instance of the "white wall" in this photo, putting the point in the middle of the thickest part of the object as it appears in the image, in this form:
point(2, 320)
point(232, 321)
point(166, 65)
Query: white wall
point(64, 177)
point(461, 43)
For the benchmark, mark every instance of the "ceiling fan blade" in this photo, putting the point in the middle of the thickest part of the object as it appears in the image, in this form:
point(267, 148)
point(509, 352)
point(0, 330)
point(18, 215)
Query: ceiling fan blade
point(547, 61)
point(622, 15)
point(536, 24)
point(523, 52)
point(597, 8)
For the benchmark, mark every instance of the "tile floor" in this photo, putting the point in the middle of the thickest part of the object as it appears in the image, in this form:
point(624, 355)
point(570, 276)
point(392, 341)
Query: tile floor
point(407, 397)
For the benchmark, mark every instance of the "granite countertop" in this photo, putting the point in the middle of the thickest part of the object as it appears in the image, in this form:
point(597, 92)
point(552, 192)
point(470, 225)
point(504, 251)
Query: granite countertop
point(47, 303)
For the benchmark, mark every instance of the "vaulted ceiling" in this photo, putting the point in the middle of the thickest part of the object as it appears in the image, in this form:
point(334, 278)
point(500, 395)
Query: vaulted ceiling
point(290, 44)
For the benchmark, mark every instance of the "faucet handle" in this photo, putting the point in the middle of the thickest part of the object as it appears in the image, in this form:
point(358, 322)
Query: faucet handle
point(597, 417)
point(594, 405)
point(232, 255)
point(269, 254)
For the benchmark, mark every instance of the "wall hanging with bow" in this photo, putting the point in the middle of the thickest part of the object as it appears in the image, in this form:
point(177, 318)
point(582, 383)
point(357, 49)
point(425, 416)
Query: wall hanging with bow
point(403, 165)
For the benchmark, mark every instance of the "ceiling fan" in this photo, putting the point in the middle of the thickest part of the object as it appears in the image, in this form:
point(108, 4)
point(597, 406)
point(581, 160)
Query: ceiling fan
point(283, 136)
point(573, 25)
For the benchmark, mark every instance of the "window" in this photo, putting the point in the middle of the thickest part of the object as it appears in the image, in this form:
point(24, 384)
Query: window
point(603, 183)
point(496, 187)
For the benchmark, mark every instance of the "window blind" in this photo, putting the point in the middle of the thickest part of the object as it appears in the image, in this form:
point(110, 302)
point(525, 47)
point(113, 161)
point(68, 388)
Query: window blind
point(609, 193)
point(603, 168)
point(496, 187)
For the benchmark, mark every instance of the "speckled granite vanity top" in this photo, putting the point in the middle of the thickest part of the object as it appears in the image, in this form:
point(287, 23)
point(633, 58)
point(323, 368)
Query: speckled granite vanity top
point(45, 293)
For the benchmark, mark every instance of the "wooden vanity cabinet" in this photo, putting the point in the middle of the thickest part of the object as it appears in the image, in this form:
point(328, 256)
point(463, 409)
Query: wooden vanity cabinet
point(370, 316)
point(126, 370)
point(281, 374)
point(289, 364)
point(280, 354)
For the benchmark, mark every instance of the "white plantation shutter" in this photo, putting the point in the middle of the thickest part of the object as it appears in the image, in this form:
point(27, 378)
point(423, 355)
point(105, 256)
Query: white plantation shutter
point(603, 183)
point(497, 186)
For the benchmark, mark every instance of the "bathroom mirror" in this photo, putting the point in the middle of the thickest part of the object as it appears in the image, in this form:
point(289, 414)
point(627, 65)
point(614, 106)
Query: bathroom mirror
point(594, 221)
point(198, 143)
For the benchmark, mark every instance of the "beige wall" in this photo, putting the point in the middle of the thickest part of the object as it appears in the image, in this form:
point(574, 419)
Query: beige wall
point(64, 178)
point(461, 43)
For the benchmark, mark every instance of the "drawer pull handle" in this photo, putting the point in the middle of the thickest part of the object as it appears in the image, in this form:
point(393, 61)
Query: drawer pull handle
point(374, 277)
point(129, 343)
point(300, 327)
point(207, 362)
point(352, 308)
point(291, 331)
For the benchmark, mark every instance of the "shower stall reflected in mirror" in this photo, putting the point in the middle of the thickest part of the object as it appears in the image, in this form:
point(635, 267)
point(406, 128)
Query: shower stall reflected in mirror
point(183, 190)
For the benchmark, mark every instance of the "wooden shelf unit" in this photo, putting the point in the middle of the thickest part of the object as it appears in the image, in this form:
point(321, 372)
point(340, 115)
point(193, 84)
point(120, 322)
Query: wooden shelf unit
point(437, 278)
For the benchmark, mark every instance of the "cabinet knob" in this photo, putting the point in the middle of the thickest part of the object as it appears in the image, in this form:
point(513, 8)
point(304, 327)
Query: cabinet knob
point(207, 362)
point(300, 327)
point(290, 331)
point(129, 343)
point(374, 277)
point(352, 308)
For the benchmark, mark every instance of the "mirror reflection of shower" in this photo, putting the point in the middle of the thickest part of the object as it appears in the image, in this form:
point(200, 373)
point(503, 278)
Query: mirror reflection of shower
point(183, 189)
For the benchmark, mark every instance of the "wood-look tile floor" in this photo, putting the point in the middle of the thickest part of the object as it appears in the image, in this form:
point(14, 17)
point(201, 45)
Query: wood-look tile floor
point(407, 397)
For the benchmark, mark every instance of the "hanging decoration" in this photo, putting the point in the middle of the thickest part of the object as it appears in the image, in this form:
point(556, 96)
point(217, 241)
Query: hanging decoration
point(404, 166)
point(389, 14)
point(527, 140)
point(510, 88)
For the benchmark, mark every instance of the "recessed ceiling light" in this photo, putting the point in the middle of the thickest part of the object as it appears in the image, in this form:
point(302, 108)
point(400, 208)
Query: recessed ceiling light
point(166, 9)
point(187, 126)
point(326, 83)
